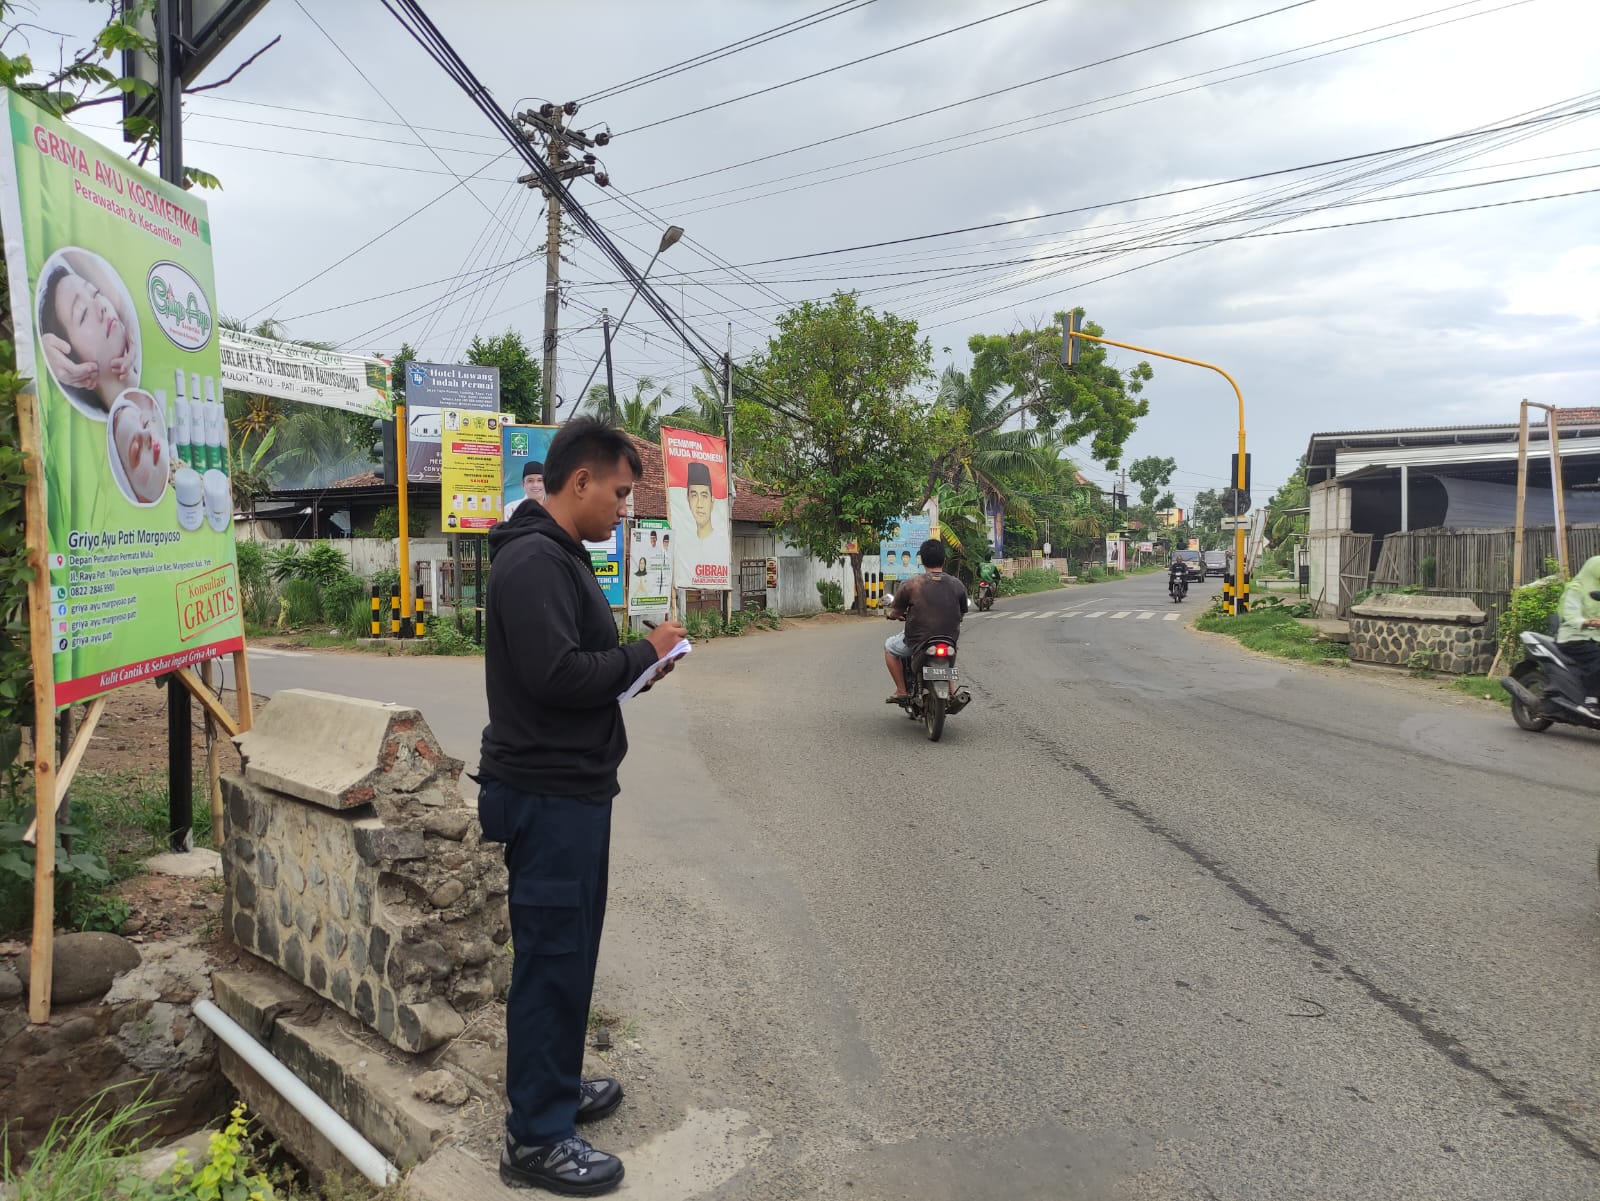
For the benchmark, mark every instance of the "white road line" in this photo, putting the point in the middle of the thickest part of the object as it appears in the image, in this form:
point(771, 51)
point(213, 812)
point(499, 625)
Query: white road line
point(267, 652)
point(1020, 616)
point(1096, 613)
point(1120, 616)
point(1042, 616)
point(1172, 617)
point(1145, 616)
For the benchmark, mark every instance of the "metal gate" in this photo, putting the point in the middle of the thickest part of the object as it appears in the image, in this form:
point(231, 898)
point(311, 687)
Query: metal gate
point(1355, 568)
point(753, 584)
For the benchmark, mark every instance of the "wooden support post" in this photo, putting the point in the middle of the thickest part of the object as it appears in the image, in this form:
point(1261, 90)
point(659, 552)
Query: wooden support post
point(208, 700)
point(241, 681)
point(1522, 499)
point(69, 763)
point(1558, 492)
point(213, 764)
point(42, 953)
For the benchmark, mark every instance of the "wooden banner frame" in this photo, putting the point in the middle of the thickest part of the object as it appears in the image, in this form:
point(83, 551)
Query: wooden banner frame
point(50, 781)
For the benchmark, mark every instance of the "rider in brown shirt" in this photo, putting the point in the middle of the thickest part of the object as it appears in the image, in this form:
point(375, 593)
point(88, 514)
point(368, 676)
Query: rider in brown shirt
point(931, 605)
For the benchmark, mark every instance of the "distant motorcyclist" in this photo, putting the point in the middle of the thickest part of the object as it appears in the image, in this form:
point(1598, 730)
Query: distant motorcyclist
point(1177, 577)
point(989, 576)
point(931, 605)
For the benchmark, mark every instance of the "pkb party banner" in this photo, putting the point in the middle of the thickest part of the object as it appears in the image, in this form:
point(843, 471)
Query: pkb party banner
point(114, 303)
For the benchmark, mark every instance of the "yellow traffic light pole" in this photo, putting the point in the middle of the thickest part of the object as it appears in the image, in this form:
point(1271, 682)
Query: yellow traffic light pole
point(1236, 591)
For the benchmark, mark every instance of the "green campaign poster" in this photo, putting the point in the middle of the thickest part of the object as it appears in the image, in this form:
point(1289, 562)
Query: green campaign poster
point(114, 303)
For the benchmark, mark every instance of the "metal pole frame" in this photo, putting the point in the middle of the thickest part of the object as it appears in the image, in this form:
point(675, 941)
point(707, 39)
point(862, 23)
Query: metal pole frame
point(1237, 591)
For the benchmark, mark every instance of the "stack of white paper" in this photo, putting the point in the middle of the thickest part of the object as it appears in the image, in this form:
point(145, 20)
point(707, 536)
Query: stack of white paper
point(649, 673)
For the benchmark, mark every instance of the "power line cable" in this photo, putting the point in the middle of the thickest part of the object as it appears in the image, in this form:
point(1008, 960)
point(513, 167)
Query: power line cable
point(982, 137)
point(732, 48)
point(986, 95)
point(706, 108)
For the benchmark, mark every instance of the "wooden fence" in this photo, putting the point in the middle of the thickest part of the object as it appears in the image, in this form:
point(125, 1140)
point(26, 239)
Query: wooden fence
point(1475, 563)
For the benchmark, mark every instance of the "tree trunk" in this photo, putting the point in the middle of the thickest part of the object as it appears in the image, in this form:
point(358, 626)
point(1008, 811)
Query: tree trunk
point(860, 604)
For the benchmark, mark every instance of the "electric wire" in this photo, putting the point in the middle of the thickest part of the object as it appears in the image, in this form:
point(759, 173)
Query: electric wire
point(732, 48)
point(706, 108)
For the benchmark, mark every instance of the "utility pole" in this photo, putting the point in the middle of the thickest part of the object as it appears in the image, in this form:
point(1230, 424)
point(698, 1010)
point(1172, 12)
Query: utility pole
point(611, 383)
point(548, 124)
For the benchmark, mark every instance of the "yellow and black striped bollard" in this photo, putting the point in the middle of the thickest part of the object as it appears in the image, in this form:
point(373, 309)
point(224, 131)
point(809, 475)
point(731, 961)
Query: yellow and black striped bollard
point(377, 604)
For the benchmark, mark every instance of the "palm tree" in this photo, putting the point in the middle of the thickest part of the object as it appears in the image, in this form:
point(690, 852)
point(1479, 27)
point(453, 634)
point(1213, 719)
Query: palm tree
point(639, 414)
point(1001, 461)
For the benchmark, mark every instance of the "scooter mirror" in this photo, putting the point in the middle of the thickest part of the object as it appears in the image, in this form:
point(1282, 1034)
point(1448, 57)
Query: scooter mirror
point(1594, 596)
point(888, 599)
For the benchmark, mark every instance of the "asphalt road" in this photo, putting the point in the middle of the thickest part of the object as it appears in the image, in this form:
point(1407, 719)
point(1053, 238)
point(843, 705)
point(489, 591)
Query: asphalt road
point(1156, 919)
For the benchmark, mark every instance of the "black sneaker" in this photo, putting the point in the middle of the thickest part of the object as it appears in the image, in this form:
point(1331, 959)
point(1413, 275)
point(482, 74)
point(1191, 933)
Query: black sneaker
point(598, 1098)
point(571, 1168)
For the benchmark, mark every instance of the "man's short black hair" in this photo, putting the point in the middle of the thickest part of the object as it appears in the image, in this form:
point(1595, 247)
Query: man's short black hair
point(587, 442)
point(532, 467)
point(932, 553)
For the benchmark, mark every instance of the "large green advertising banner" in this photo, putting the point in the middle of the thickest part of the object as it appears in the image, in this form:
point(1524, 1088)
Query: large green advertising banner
point(113, 299)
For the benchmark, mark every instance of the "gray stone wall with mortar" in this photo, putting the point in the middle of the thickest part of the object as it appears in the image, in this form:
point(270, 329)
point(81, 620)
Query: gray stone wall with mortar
point(380, 895)
point(1447, 646)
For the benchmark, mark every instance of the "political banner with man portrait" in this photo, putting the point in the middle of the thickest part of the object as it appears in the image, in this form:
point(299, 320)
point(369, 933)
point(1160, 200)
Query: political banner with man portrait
point(696, 467)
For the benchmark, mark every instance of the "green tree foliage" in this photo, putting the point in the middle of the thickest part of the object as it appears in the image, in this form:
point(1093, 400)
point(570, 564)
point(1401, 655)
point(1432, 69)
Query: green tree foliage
point(521, 393)
point(639, 413)
point(1205, 518)
point(85, 80)
point(1093, 402)
point(1152, 474)
point(853, 450)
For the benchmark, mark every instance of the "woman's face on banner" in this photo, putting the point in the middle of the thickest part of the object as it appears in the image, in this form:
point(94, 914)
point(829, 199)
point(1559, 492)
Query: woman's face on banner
point(141, 446)
point(94, 330)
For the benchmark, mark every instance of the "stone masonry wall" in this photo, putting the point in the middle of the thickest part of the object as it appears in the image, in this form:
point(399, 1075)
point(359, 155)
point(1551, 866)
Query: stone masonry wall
point(390, 905)
point(1449, 647)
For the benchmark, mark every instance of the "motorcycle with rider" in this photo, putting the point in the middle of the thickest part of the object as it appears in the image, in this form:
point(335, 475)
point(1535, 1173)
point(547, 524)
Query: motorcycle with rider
point(922, 658)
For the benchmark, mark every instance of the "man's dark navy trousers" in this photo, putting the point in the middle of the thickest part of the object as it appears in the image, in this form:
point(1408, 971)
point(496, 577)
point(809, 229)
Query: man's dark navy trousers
point(557, 856)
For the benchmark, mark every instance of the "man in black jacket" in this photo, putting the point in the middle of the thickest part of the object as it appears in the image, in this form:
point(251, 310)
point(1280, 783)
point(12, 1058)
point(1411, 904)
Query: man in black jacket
point(548, 773)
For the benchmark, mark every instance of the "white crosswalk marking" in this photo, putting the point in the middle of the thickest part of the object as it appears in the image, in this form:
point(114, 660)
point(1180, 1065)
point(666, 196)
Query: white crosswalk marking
point(1145, 616)
point(1172, 617)
point(1042, 616)
point(1019, 616)
point(1096, 613)
point(1120, 616)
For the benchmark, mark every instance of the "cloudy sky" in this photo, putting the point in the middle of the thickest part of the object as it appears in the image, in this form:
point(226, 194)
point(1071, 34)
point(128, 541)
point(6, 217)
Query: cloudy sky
point(342, 131)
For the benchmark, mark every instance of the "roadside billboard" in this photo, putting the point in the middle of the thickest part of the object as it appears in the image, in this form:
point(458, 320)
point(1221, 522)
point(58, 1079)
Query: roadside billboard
point(523, 448)
point(902, 541)
point(470, 473)
point(430, 389)
point(289, 371)
point(696, 467)
point(114, 303)
point(650, 560)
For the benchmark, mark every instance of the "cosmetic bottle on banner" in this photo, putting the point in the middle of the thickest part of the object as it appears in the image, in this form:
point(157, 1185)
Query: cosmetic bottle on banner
point(184, 428)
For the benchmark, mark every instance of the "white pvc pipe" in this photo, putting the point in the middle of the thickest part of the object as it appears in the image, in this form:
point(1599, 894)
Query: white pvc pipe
point(363, 1156)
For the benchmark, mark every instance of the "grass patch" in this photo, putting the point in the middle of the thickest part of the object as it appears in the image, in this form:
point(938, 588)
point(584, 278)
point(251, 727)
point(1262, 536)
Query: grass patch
point(1486, 688)
point(1273, 631)
point(1030, 580)
point(117, 821)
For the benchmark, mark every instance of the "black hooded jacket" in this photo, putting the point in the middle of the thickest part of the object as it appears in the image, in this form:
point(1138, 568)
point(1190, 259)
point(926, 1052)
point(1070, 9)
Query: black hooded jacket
point(552, 664)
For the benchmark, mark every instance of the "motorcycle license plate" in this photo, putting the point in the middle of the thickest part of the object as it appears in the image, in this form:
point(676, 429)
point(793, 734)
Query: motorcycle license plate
point(938, 673)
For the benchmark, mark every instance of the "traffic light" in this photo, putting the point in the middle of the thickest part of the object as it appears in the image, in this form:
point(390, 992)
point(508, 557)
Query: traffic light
point(1071, 325)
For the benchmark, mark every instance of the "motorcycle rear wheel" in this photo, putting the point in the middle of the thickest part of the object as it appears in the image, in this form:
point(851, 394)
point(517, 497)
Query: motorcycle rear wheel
point(1534, 682)
point(933, 716)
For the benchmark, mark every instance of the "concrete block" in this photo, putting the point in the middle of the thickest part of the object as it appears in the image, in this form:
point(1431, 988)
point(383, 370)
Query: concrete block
point(323, 748)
